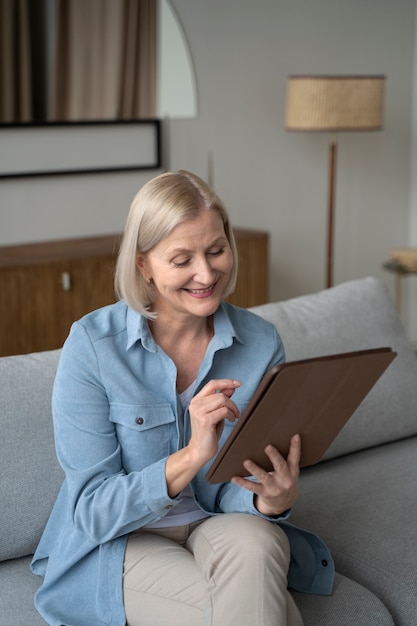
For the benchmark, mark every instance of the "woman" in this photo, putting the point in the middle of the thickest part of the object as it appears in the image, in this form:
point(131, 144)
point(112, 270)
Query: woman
point(146, 392)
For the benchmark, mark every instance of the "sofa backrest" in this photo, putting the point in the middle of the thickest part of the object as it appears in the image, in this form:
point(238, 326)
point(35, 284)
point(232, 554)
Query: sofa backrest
point(352, 316)
point(355, 315)
point(30, 476)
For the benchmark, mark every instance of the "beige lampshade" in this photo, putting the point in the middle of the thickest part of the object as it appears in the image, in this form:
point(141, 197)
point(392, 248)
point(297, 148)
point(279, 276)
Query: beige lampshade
point(335, 103)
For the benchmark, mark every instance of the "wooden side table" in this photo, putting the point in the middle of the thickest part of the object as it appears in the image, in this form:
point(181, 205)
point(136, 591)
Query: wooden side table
point(400, 271)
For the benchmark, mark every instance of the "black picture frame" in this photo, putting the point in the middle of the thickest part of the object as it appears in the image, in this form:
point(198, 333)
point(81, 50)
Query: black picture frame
point(50, 148)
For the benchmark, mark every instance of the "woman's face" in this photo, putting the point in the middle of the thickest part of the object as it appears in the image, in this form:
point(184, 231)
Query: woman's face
point(190, 267)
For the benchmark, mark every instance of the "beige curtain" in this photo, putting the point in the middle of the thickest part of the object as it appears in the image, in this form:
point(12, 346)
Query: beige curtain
point(15, 70)
point(105, 60)
point(138, 97)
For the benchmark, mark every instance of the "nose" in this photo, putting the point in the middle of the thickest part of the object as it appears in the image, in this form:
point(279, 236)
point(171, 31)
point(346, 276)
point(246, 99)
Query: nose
point(204, 273)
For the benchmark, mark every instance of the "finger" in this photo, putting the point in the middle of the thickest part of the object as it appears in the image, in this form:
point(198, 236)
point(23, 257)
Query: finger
point(249, 485)
point(228, 392)
point(232, 411)
point(261, 475)
point(294, 454)
point(217, 406)
point(279, 462)
point(221, 400)
point(292, 461)
point(223, 385)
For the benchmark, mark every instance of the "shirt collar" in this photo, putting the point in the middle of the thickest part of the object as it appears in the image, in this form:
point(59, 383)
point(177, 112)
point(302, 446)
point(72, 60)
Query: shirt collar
point(224, 330)
point(138, 329)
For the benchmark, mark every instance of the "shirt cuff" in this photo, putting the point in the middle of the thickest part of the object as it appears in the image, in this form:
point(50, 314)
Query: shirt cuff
point(156, 490)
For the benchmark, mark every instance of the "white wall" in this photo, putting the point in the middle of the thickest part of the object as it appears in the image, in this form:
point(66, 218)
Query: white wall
point(410, 291)
point(269, 178)
point(273, 179)
point(62, 207)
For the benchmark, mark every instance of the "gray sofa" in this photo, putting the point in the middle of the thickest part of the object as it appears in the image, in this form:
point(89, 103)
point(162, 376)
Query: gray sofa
point(361, 499)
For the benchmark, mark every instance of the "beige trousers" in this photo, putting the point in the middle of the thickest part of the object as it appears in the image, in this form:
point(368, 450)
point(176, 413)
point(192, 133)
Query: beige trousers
point(228, 570)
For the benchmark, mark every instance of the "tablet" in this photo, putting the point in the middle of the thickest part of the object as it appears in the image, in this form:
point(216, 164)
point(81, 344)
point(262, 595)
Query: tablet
point(313, 397)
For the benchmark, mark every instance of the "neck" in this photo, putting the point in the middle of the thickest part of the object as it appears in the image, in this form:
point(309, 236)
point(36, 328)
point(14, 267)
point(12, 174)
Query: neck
point(185, 344)
point(189, 329)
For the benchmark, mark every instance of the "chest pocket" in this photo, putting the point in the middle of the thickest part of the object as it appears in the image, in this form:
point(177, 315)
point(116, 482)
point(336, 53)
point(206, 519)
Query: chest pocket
point(146, 432)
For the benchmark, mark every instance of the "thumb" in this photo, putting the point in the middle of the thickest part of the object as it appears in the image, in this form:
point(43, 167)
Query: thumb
point(229, 392)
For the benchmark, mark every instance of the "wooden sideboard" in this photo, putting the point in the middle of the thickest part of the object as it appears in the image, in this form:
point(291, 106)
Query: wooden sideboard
point(252, 285)
point(44, 287)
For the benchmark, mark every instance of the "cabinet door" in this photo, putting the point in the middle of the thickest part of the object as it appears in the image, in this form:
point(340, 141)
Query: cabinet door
point(38, 303)
point(29, 308)
point(252, 278)
point(91, 286)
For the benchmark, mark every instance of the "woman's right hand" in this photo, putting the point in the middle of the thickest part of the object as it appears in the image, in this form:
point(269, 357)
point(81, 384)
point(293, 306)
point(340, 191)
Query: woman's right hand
point(208, 410)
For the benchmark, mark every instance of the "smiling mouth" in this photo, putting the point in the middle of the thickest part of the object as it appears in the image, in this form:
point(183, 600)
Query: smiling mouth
point(202, 292)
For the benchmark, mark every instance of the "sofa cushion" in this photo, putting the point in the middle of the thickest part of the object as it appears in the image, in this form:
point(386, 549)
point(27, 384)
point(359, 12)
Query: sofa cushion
point(364, 507)
point(30, 474)
point(355, 315)
point(349, 604)
point(18, 587)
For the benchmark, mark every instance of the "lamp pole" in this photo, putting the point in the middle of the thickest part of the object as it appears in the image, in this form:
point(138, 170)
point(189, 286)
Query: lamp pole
point(330, 212)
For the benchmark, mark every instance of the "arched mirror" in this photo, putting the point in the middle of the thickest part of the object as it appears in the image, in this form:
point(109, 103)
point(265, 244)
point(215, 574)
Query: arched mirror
point(66, 60)
point(177, 88)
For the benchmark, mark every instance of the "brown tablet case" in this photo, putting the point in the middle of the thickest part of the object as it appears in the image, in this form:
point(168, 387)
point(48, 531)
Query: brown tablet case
point(314, 397)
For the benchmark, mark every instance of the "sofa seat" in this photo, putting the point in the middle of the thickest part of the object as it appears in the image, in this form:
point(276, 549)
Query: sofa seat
point(371, 530)
point(349, 604)
point(18, 586)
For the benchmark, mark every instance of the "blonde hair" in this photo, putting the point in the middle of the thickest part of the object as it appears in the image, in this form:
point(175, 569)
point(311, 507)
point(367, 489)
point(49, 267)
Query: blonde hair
point(161, 204)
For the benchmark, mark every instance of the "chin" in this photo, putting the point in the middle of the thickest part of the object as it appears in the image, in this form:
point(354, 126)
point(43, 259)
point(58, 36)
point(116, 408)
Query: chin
point(204, 309)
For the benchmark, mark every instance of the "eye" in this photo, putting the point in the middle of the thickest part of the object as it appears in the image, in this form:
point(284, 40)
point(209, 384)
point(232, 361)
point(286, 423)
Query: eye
point(216, 252)
point(181, 263)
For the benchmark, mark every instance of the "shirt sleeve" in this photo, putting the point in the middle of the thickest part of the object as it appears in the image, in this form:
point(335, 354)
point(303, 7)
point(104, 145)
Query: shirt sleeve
point(105, 501)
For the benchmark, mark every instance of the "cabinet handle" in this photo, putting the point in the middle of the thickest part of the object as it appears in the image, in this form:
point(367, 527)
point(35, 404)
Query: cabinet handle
point(66, 281)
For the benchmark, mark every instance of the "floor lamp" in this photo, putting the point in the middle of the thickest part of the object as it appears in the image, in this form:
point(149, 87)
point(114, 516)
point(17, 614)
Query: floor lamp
point(334, 103)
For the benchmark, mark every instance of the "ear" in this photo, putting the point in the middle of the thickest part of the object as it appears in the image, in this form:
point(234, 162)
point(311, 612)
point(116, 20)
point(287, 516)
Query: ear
point(141, 264)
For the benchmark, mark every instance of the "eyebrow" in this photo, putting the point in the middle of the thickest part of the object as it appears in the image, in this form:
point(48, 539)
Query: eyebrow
point(222, 239)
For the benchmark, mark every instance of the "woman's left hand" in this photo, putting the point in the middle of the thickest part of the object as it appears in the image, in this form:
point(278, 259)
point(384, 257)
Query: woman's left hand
point(276, 491)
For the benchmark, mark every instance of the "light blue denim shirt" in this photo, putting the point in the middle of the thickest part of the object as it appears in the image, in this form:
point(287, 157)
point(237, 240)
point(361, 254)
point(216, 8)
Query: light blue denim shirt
point(117, 418)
